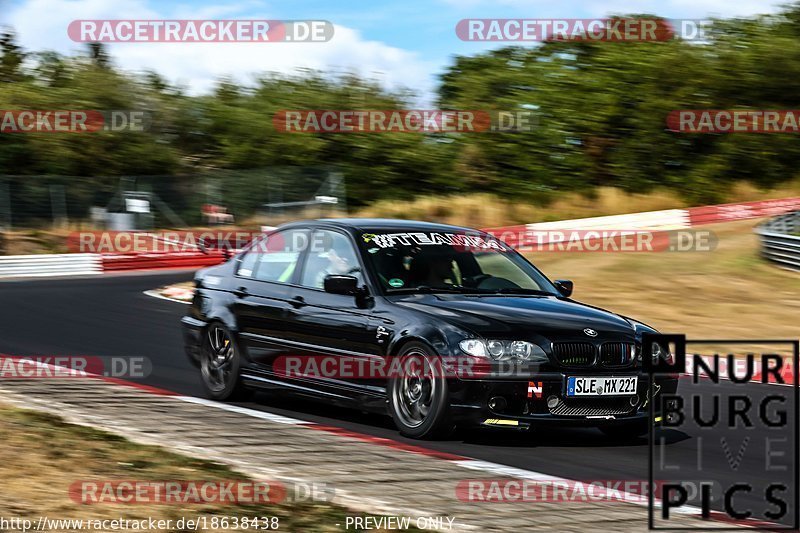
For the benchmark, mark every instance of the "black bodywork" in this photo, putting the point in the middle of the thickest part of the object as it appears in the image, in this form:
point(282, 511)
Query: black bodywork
point(270, 319)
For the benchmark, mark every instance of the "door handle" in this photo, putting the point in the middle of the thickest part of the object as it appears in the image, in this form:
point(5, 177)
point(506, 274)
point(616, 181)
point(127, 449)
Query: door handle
point(240, 292)
point(298, 301)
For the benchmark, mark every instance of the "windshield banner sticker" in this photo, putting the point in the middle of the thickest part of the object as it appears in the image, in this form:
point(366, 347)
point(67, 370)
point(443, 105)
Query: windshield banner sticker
point(391, 240)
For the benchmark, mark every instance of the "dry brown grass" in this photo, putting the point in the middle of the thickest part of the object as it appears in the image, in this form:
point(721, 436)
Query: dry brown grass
point(43, 456)
point(26, 242)
point(487, 210)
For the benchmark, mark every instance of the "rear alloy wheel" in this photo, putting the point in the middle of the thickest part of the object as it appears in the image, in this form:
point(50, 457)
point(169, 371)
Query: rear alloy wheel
point(219, 364)
point(418, 399)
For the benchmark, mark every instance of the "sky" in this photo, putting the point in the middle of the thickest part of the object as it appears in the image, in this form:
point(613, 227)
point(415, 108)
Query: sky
point(403, 44)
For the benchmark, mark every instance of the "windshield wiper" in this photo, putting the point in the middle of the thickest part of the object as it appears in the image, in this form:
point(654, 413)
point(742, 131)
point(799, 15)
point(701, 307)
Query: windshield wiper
point(460, 289)
point(427, 289)
point(517, 290)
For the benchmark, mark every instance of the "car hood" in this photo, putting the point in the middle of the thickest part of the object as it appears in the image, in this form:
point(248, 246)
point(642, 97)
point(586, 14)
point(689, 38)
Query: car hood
point(519, 316)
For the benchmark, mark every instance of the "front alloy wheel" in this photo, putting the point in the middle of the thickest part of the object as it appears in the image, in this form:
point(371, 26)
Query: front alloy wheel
point(219, 363)
point(418, 398)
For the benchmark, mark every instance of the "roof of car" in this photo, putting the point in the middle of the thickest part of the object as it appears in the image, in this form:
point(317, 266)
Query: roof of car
point(384, 223)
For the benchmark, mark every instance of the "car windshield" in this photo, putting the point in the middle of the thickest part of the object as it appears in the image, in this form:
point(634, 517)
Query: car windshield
point(420, 261)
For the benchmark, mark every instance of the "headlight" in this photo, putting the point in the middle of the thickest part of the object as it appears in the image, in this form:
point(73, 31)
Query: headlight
point(500, 350)
point(496, 349)
point(474, 347)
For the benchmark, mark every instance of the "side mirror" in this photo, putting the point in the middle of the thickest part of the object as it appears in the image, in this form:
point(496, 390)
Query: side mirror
point(564, 286)
point(336, 284)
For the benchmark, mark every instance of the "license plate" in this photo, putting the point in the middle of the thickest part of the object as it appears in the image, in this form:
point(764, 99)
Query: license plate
point(602, 386)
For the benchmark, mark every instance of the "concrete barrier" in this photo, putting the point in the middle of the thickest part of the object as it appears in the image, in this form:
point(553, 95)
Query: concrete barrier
point(13, 266)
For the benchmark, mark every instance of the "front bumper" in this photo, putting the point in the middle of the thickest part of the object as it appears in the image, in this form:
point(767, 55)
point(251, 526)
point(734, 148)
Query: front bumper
point(192, 338)
point(512, 404)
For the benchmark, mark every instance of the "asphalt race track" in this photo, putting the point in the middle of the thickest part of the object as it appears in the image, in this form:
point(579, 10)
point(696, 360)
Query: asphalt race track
point(110, 315)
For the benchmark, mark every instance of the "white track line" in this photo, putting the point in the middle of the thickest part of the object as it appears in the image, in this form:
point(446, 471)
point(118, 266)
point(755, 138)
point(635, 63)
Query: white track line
point(264, 415)
point(466, 463)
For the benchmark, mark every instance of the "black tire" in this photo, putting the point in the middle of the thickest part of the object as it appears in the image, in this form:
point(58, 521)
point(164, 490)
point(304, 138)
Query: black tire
point(420, 412)
point(219, 364)
point(627, 430)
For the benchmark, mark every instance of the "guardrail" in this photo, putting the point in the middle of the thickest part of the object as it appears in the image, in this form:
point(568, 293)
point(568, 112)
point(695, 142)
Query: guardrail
point(153, 261)
point(12, 266)
point(656, 221)
point(711, 214)
point(780, 240)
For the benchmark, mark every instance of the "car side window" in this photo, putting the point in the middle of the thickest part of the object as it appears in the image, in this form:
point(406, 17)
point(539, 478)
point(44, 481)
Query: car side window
point(330, 252)
point(278, 254)
point(248, 264)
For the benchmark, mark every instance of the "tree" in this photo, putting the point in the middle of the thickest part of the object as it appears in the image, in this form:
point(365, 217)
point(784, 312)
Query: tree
point(52, 69)
point(99, 56)
point(11, 57)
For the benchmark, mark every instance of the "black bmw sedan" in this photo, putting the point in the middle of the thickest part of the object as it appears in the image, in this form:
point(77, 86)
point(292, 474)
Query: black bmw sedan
point(437, 325)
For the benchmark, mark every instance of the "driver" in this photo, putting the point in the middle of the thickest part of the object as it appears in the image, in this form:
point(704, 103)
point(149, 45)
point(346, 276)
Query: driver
point(337, 261)
point(432, 268)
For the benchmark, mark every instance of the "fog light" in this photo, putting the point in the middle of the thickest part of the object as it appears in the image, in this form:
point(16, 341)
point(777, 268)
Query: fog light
point(552, 402)
point(498, 404)
point(634, 401)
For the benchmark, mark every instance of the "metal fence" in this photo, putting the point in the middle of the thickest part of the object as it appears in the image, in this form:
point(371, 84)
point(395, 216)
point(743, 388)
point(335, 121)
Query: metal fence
point(780, 240)
point(175, 201)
